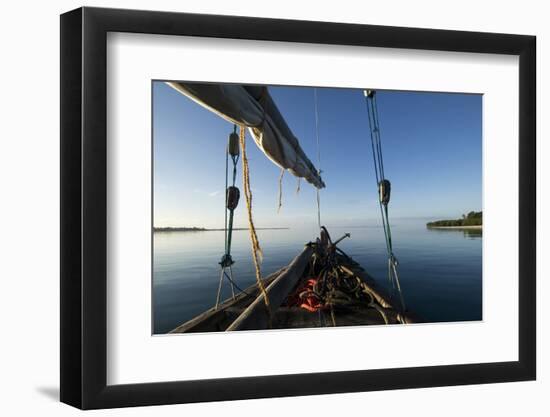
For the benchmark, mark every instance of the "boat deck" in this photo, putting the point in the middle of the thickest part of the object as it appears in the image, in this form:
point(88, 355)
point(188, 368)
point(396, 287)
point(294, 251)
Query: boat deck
point(247, 311)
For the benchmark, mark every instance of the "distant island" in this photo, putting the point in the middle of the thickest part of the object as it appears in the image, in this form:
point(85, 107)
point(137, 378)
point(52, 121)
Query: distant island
point(202, 229)
point(473, 220)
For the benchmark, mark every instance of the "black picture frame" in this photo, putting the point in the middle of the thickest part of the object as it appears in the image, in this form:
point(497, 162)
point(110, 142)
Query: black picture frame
point(84, 207)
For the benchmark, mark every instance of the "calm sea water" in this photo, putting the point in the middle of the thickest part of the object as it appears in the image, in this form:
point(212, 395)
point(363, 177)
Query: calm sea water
point(440, 270)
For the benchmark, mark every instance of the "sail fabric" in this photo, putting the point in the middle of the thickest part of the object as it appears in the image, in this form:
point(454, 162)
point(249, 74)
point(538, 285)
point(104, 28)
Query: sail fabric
point(253, 107)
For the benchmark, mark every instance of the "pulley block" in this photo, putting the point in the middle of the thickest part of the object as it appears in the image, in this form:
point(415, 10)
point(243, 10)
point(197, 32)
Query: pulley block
point(384, 189)
point(232, 196)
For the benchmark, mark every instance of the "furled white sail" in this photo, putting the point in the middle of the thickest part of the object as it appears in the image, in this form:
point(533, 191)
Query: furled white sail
point(253, 107)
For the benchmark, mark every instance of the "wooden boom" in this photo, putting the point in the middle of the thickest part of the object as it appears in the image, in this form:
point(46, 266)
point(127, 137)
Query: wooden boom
point(256, 315)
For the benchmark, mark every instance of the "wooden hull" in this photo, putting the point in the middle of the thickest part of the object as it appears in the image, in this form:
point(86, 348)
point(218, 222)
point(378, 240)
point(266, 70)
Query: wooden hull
point(248, 310)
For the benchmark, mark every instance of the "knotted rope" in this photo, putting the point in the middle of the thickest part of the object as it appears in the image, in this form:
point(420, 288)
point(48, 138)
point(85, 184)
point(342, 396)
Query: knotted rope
point(257, 253)
point(281, 190)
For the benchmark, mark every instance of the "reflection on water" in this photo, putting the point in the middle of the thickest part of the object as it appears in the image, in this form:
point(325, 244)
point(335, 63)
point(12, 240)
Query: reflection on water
point(468, 233)
point(440, 269)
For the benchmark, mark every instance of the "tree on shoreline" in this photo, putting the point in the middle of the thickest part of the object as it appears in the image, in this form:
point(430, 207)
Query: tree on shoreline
point(473, 218)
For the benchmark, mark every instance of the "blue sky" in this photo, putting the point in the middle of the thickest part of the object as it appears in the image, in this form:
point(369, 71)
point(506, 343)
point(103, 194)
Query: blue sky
point(432, 156)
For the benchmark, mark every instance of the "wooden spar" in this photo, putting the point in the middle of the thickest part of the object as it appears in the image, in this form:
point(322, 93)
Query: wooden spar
point(256, 315)
point(214, 315)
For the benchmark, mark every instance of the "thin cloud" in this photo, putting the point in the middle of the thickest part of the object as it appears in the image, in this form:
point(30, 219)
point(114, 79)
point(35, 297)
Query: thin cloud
point(209, 194)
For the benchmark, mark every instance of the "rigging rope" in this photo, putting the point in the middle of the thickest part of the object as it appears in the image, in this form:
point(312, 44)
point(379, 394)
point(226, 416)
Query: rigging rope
point(318, 156)
point(236, 285)
point(231, 201)
point(384, 187)
point(256, 249)
point(280, 190)
point(228, 191)
point(226, 183)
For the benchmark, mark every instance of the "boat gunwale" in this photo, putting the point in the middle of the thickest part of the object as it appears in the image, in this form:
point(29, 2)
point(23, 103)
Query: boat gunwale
point(227, 303)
